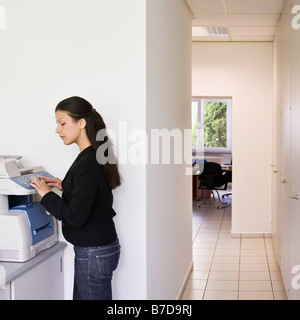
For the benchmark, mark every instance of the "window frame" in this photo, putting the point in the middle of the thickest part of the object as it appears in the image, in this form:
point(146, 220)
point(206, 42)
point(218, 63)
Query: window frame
point(201, 101)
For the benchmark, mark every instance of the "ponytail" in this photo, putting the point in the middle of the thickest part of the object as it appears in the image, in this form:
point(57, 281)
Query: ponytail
point(79, 108)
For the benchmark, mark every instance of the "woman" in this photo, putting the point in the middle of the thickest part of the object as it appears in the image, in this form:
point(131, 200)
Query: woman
point(85, 207)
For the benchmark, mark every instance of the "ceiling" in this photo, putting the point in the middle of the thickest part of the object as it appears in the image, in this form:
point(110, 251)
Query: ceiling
point(245, 20)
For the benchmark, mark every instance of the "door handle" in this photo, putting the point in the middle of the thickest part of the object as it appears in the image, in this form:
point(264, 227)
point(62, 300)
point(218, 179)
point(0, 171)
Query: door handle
point(295, 197)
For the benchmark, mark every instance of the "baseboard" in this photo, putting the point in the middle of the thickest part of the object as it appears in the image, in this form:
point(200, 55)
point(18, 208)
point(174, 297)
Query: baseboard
point(186, 279)
point(251, 235)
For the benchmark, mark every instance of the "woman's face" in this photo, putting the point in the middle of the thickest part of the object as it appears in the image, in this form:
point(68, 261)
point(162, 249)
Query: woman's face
point(68, 129)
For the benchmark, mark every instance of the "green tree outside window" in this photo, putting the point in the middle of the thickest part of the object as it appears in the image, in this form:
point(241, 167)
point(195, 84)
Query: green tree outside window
point(215, 125)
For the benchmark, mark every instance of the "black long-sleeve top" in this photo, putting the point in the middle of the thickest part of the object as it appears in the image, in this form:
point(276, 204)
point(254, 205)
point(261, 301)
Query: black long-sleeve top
point(85, 207)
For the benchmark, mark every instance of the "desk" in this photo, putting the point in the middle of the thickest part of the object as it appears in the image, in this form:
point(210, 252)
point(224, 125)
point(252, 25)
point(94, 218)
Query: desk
point(227, 168)
point(204, 193)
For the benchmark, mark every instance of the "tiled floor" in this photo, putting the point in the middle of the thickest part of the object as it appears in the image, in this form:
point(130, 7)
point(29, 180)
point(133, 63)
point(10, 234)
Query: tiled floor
point(227, 268)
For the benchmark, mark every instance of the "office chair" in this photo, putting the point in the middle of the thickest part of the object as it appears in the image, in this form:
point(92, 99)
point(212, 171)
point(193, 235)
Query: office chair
point(213, 178)
point(229, 180)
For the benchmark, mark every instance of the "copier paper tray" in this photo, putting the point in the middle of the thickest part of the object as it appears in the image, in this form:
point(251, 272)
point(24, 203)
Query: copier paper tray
point(40, 223)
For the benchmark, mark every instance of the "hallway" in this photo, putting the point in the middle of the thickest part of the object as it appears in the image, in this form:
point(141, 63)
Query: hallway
point(227, 268)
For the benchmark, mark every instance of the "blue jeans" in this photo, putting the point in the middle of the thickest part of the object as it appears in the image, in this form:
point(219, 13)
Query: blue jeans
point(94, 268)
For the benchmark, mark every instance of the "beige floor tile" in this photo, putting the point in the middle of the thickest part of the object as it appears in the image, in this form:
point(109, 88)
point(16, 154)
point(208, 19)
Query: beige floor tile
point(195, 284)
point(199, 275)
point(270, 252)
point(227, 252)
point(203, 239)
point(227, 268)
point(253, 240)
point(223, 285)
point(276, 275)
point(254, 275)
point(256, 295)
point(252, 246)
point(193, 294)
point(227, 245)
point(255, 285)
point(278, 285)
point(280, 295)
point(223, 275)
point(202, 258)
point(201, 266)
point(254, 260)
point(203, 252)
point(253, 253)
point(272, 259)
point(204, 245)
point(274, 267)
point(220, 295)
point(254, 267)
point(226, 259)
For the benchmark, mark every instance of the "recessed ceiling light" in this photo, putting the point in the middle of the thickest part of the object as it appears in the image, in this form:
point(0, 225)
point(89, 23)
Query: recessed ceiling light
point(209, 31)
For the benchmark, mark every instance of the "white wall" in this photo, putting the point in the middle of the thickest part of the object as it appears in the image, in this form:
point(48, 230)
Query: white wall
point(243, 71)
point(54, 49)
point(169, 189)
point(286, 185)
point(51, 50)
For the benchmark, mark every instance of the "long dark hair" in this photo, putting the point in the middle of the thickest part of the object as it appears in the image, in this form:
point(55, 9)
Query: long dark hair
point(79, 108)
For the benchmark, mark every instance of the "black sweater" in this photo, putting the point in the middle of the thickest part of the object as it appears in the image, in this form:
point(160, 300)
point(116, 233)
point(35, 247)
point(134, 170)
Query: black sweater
point(86, 204)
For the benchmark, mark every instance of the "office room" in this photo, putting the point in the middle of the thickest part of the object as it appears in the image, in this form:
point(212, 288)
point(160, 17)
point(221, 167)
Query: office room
point(125, 59)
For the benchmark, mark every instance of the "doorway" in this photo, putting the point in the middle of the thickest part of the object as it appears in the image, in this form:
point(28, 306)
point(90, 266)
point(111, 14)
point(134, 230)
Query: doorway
point(211, 135)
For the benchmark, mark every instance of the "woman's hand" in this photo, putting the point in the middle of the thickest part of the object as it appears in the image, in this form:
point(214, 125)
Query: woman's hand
point(52, 182)
point(40, 186)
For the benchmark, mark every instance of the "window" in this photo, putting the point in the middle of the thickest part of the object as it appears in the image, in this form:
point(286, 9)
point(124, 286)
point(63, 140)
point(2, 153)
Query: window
point(211, 120)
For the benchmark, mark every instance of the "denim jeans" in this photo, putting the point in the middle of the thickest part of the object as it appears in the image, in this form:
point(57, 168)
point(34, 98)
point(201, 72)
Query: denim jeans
point(94, 268)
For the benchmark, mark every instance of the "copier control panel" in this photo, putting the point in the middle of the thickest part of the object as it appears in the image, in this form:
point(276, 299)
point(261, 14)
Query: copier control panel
point(15, 178)
point(24, 181)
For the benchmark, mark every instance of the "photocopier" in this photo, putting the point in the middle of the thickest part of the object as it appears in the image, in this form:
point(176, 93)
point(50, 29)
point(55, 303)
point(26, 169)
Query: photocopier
point(26, 228)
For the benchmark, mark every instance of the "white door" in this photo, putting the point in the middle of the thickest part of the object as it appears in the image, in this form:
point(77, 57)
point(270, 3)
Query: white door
point(283, 154)
point(295, 168)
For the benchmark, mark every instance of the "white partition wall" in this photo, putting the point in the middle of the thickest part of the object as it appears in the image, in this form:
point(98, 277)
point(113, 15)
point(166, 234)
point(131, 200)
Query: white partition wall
point(169, 187)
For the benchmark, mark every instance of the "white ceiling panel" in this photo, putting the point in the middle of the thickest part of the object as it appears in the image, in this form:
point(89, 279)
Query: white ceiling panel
point(206, 6)
point(211, 39)
point(256, 39)
point(252, 20)
point(252, 31)
point(209, 20)
point(254, 6)
point(245, 20)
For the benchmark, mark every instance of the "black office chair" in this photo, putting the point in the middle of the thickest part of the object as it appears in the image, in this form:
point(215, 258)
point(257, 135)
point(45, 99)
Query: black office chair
point(229, 180)
point(213, 178)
